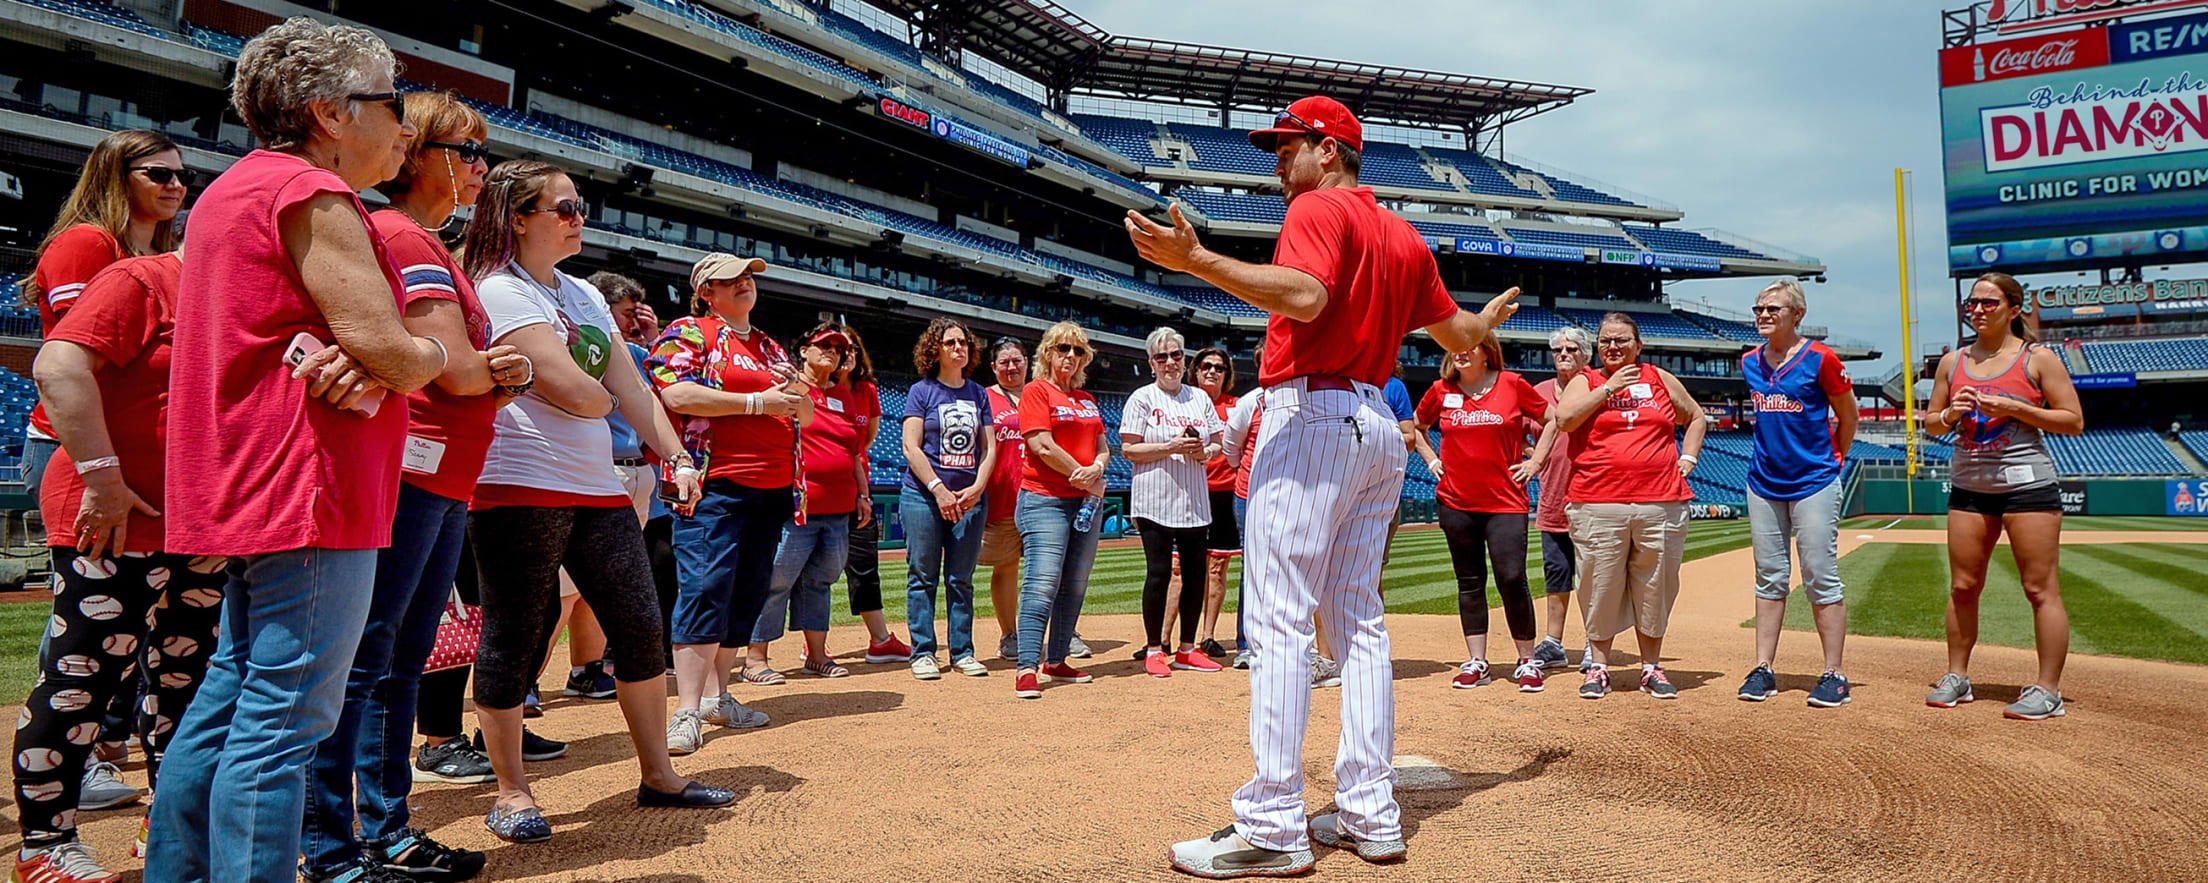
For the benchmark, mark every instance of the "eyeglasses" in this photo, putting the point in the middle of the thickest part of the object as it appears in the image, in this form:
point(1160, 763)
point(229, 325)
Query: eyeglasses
point(567, 209)
point(1561, 350)
point(393, 100)
point(1767, 309)
point(1974, 304)
point(469, 152)
point(1211, 366)
point(1073, 348)
point(960, 342)
point(162, 175)
point(1615, 341)
point(1168, 356)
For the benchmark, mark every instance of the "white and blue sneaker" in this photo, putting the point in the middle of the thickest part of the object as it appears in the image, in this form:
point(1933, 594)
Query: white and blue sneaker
point(1760, 685)
point(1831, 692)
point(1550, 654)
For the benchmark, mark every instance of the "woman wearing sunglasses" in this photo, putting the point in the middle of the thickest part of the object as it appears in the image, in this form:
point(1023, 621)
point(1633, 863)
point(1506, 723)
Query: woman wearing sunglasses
point(949, 446)
point(812, 554)
point(124, 204)
point(1168, 431)
point(2000, 395)
point(1066, 456)
point(549, 499)
point(1215, 376)
point(448, 435)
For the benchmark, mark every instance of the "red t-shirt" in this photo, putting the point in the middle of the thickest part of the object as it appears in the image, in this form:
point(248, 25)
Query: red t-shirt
point(1482, 437)
point(1628, 451)
point(832, 450)
point(270, 470)
point(126, 314)
point(753, 450)
point(1004, 484)
point(447, 435)
point(1556, 474)
point(68, 262)
point(1218, 473)
point(1381, 282)
point(1073, 421)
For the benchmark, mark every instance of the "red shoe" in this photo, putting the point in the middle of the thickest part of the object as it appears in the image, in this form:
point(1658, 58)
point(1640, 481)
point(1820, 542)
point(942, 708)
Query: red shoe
point(1059, 671)
point(1529, 676)
point(1157, 665)
point(1194, 660)
point(1471, 673)
point(67, 862)
point(1025, 687)
point(889, 649)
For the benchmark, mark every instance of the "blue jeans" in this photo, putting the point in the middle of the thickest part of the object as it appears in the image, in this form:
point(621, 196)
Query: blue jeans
point(374, 738)
point(291, 622)
point(1055, 574)
point(724, 561)
point(807, 563)
point(36, 451)
point(1241, 514)
point(933, 547)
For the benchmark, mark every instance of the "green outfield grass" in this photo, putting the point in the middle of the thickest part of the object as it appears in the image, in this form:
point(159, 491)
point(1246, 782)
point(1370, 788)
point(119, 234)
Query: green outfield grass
point(2074, 522)
point(2144, 600)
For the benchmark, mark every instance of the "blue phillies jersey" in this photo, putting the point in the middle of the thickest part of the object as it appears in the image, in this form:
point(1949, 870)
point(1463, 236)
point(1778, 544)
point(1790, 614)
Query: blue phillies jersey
point(1796, 454)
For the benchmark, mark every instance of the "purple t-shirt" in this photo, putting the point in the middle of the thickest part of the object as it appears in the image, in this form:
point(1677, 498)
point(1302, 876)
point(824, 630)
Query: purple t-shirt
point(952, 421)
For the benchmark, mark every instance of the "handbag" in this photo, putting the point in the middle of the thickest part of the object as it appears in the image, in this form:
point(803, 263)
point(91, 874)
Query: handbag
point(459, 633)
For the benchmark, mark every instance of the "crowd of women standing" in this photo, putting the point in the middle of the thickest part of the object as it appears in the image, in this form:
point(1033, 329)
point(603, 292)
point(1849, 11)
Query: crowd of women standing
point(359, 409)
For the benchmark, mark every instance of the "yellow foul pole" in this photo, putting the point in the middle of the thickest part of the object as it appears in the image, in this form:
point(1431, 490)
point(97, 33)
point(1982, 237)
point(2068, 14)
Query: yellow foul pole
point(1908, 343)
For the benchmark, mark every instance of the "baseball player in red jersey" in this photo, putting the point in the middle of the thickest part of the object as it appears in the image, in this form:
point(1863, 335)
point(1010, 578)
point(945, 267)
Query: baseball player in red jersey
point(1348, 280)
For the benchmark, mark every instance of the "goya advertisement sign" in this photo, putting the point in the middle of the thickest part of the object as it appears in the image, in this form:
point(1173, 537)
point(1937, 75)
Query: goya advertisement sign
point(2063, 149)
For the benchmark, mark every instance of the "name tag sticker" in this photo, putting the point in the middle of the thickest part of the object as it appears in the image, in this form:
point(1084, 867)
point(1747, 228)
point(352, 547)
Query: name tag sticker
point(835, 405)
point(1452, 400)
point(1640, 391)
point(423, 455)
point(2020, 474)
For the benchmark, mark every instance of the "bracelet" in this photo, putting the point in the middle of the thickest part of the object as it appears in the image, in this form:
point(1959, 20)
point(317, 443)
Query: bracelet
point(1689, 458)
point(756, 403)
point(97, 463)
point(444, 356)
point(936, 483)
point(517, 390)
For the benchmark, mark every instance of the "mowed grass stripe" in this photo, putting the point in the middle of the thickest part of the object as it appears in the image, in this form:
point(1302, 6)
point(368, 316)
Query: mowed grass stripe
point(2073, 522)
point(2114, 623)
point(2161, 590)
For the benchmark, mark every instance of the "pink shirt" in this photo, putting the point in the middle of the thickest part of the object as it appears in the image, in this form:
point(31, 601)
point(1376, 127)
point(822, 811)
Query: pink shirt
point(1556, 474)
point(270, 470)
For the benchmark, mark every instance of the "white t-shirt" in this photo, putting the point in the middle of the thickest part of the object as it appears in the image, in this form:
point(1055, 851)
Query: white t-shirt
point(539, 445)
point(1171, 491)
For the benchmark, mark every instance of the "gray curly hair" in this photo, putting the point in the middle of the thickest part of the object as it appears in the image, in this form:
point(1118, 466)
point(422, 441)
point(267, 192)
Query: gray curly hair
point(287, 69)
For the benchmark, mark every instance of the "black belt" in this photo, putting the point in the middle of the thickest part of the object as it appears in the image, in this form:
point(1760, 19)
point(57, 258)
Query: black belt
point(631, 462)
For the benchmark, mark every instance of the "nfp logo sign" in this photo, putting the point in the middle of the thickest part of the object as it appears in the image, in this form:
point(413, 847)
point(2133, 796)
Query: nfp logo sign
point(2084, 124)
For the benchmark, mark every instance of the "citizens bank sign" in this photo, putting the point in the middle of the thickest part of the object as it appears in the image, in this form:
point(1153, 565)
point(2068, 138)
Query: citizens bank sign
point(2059, 296)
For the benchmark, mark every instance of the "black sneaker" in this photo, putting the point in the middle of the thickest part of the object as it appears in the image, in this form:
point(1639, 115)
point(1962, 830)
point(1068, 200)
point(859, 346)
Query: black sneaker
point(591, 683)
point(412, 854)
point(533, 747)
point(1211, 648)
point(453, 760)
point(362, 870)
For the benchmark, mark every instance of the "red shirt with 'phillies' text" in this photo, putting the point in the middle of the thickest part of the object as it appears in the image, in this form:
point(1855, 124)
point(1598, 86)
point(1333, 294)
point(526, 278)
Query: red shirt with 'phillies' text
point(1482, 437)
point(1381, 282)
point(1074, 422)
point(1628, 452)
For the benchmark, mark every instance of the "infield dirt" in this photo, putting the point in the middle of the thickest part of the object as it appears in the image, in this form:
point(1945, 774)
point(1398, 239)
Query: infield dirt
point(879, 777)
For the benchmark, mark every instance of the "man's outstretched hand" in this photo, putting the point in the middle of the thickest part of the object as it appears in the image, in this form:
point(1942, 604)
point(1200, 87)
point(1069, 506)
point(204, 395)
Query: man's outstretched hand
point(1500, 309)
point(1175, 248)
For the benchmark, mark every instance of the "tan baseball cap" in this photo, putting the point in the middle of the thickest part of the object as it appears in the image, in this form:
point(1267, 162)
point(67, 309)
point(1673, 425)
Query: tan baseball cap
point(722, 265)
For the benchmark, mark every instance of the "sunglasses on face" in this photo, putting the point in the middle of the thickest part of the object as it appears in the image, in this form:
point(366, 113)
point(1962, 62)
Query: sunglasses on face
point(1975, 304)
point(162, 175)
point(393, 100)
point(1071, 348)
point(1167, 357)
point(468, 151)
point(1564, 350)
point(1767, 310)
point(1211, 366)
point(567, 209)
point(960, 342)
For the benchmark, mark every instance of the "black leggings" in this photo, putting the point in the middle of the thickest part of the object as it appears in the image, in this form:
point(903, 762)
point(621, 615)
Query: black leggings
point(862, 568)
point(1158, 545)
point(443, 695)
point(111, 616)
point(1501, 536)
point(519, 551)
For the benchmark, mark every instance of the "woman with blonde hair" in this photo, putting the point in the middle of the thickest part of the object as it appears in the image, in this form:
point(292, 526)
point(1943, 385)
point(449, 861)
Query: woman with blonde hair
point(1060, 492)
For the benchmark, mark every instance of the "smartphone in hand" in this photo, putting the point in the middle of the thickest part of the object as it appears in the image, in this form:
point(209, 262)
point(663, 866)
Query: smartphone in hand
point(304, 345)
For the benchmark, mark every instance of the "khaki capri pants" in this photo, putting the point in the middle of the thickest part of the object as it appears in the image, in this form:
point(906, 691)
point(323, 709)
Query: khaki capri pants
point(1629, 557)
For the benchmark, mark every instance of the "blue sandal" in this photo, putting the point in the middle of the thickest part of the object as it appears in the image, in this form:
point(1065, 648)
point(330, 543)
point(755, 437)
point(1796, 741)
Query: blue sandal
point(525, 825)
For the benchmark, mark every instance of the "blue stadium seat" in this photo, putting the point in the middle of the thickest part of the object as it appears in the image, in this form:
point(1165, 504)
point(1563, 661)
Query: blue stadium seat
point(1652, 324)
point(2134, 356)
point(1589, 238)
point(1128, 138)
point(1219, 150)
point(1688, 242)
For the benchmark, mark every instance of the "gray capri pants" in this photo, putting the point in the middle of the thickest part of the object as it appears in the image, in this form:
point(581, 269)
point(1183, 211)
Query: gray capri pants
point(1814, 522)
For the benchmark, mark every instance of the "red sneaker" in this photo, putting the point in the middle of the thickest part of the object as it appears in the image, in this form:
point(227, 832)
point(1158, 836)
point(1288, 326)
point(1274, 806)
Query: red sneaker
point(1157, 665)
point(1025, 687)
point(889, 649)
point(1529, 676)
point(1471, 673)
point(68, 862)
point(1194, 660)
point(1059, 671)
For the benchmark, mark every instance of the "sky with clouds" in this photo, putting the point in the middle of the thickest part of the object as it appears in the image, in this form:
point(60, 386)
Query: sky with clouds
point(1780, 121)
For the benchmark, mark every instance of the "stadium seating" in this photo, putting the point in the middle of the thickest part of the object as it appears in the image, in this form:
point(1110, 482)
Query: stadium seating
point(1459, 231)
point(1218, 150)
point(1535, 318)
point(2195, 441)
point(1214, 299)
point(1128, 138)
point(1268, 209)
point(2122, 450)
point(1480, 174)
point(1687, 242)
point(1725, 329)
point(1589, 237)
point(1564, 190)
point(1652, 324)
point(16, 319)
point(104, 13)
point(2119, 356)
point(1396, 165)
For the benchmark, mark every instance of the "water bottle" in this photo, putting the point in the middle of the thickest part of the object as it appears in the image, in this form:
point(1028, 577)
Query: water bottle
point(1085, 520)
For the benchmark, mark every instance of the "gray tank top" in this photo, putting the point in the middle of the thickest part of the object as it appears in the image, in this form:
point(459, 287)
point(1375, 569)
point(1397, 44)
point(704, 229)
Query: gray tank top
point(1999, 455)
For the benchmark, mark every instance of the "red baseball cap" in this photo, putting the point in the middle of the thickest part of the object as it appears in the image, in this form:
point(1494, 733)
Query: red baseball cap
point(1315, 115)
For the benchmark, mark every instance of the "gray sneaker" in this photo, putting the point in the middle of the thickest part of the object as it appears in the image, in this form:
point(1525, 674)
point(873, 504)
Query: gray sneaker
point(1952, 690)
point(2036, 704)
point(1008, 647)
point(925, 668)
point(1242, 659)
point(732, 714)
point(1077, 648)
point(1325, 673)
point(685, 732)
point(104, 788)
point(1327, 829)
point(1550, 654)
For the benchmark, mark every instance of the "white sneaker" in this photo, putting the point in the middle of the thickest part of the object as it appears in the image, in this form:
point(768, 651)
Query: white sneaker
point(728, 712)
point(1077, 648)
point(685, 732)
point(1325, 672)
point(1225, 854)
point(971, 667)
point(926, 669)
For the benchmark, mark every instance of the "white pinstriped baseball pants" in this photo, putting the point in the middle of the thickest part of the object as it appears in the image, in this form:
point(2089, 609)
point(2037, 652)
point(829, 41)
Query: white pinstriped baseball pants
point(1324, 484)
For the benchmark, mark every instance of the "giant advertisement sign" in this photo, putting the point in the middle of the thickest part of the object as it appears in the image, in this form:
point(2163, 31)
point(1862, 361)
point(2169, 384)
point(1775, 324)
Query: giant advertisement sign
point(2077, 148)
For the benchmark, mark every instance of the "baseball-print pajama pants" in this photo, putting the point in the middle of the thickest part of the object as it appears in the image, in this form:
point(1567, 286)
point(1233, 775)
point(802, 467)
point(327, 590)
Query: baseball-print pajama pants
point(1324, 484)
point(111, 616)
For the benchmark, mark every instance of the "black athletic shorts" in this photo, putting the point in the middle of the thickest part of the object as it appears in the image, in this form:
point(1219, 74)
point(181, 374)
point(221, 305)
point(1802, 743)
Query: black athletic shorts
point(2035, 499)
point(1225, 536)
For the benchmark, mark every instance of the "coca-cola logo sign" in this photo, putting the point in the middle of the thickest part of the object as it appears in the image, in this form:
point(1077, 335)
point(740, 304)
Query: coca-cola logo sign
point(2053, 55)
point(2029, 56)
